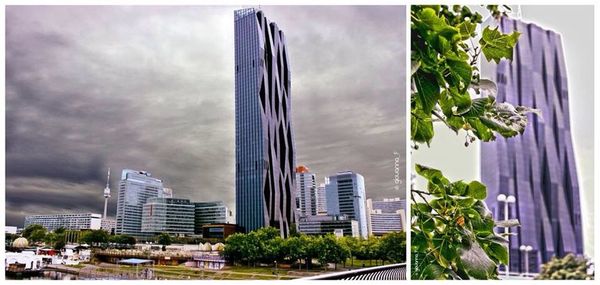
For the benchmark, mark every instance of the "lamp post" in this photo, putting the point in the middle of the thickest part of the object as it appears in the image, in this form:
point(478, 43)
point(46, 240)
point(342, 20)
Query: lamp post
point(507, 200)
point(526, 249)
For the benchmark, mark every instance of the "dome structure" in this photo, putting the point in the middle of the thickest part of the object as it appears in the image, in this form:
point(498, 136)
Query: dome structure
point(218, 247)
point(20, 242)
point(206, 247)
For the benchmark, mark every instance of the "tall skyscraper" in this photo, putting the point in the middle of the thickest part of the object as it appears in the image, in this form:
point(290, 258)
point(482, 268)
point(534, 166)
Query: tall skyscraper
point(321, 200)
point(135, 188)
point(265, 156)
point(306, 192)
point(537, 167)
point(346, 197)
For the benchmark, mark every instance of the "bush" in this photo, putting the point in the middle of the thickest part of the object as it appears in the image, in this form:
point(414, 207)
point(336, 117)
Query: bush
point(570, 267)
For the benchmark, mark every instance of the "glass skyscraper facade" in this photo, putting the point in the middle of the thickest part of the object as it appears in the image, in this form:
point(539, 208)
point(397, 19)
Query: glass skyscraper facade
point(346, 197)
point(135, 188)
point(210, 213)
point(265, 157)
point(538, 167)
point(168, 215)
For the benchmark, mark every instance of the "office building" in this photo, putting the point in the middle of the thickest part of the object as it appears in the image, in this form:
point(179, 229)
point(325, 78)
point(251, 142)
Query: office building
point(321, 196)
point(385, 216)
point(168, 215)
point(346, 197)
point(135, 188)
point(306, 192)
point(75, 221)
point(537, 167)
point(108, 225)
point(214, 212)
point(265, 156)
point(320, 225)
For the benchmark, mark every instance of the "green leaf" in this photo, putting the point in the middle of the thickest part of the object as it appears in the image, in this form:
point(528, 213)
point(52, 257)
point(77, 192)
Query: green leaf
point(458, 188)
point(499, 251)
point(421, 127)
point(433, 271)
point(462, 69)
point(428, 90)
point(467, 29)
point(496, 46)
point(423, 207)
point(477, 190)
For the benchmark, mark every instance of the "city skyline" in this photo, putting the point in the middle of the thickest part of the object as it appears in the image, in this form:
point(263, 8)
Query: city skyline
point(152, 89)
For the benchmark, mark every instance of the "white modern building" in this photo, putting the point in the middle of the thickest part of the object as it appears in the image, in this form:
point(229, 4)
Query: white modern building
point(135, 188)
point(346, 197)
point(321, 199)
point(168, 215)
point(108, 225)
point(74, 221)
point(10, 230)
point(385, 216)
point(306, 192)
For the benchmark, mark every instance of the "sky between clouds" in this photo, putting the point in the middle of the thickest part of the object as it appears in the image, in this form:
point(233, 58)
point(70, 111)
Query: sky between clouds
point(151, 88)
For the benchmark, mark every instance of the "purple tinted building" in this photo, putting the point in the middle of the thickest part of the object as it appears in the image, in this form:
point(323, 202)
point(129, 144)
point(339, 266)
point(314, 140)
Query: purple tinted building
point(264, 144)
point(538, 168)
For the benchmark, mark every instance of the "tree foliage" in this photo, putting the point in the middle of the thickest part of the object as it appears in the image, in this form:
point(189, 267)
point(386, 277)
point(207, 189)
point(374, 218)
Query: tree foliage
point(265, 246)
point(163, 239)
point(30, 229)
point(122, 239)
point(94, 237)
point(452, 229)
point(445, 75)
point(570, 267)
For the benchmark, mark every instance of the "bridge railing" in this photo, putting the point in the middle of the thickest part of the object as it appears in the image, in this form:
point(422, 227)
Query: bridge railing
point(384, 272)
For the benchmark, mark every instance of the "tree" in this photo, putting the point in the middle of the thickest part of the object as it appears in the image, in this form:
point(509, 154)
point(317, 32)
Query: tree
point(570, 267)
point(37, 235)
point(353, 246)
point(331, 250)
point(295, 247)
point(392, 247)
point(94, 237)
point(163, 239)
point(122, 239)
point(29, 229)
point(452, 231)
point(235, 247)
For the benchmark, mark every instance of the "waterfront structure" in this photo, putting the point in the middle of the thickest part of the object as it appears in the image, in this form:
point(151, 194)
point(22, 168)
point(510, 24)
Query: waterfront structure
point(220, 231)
point(108, 225)
point(321, 199)
point(385, 216)
point(306, 192)
point(168, 215)
point(135, 188)
point(73, 221)
point(537, 167)
point(265, 155)
point(215, 212)
point(346, 197)
point(320, 225)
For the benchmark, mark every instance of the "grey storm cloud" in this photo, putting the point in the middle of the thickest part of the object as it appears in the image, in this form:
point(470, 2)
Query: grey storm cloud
point(151, 88)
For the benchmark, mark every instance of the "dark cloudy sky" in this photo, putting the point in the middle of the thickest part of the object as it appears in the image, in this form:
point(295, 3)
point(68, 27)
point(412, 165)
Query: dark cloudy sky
point(151, 88)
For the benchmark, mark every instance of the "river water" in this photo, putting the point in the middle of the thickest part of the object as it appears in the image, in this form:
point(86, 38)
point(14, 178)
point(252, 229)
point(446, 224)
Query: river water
point(46, 275)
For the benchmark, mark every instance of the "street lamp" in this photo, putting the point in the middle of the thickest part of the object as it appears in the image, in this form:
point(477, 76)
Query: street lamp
point(507, 200)
point(526, 249)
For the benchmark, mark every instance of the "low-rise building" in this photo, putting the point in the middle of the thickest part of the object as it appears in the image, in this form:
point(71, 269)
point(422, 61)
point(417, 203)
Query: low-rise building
point(75, 221)
point(385, 216)
point(320, 225)
point(220, 231)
